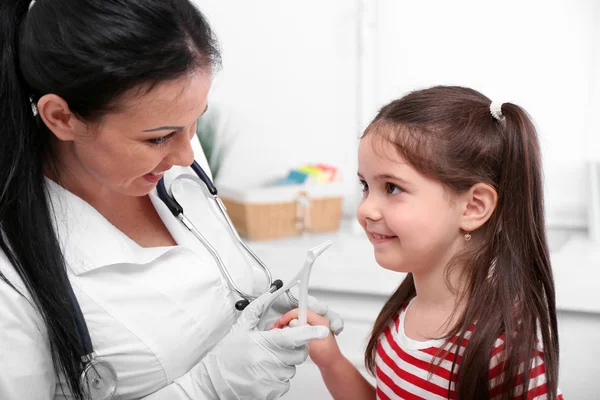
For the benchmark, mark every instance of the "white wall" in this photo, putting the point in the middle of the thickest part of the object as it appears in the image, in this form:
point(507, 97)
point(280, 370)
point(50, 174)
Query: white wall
point(536, 53)
point(289, 89)
point(592, 18)
point(288, 86)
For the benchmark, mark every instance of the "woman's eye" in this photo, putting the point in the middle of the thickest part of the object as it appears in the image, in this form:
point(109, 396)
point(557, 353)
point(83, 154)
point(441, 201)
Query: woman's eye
point(393, 189)
point(363, 185)
point(161, 140)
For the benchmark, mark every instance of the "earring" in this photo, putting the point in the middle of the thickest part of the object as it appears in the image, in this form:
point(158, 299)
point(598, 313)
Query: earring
point(467, 236)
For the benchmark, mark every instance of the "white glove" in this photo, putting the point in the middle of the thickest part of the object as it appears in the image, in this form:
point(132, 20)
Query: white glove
point(285, 303)
point(250, 364)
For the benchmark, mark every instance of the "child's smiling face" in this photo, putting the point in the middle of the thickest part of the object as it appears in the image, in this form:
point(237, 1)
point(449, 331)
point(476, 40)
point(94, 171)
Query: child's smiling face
point(411, 220)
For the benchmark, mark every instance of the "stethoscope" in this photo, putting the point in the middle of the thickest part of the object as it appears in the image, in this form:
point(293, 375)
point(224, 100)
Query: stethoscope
point(177, 212)
point(98, 378)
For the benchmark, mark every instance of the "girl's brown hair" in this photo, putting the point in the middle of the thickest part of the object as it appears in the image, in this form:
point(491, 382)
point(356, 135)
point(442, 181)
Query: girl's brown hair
point(449, 134)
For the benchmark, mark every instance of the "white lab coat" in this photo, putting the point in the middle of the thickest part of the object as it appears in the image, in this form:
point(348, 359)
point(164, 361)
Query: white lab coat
point(153, 313)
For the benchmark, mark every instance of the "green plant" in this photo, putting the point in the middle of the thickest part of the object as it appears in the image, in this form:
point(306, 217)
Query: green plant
point(207, 134)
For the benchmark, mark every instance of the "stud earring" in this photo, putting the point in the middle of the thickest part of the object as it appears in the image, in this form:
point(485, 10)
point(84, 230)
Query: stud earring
point(467, 236)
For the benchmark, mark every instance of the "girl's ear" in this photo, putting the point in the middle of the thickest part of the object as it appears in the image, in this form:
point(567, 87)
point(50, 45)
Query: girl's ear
point(478, 204)
point(57, 116)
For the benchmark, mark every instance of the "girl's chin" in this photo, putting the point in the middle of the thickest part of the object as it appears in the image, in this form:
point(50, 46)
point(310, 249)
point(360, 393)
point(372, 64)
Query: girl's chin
point(392, 264)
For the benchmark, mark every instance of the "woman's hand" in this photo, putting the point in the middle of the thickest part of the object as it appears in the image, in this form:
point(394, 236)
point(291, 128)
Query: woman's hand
point(324, 352)
point(253, 364)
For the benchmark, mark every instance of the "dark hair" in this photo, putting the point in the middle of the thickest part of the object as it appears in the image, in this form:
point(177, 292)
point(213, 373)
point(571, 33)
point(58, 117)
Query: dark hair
point(89, 52)
point(449, 134)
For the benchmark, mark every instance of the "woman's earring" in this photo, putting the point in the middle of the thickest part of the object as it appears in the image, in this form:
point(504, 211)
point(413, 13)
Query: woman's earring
point(467, 236)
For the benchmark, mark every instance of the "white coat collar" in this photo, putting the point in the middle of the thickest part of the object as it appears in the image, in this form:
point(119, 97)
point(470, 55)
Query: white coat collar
point(89, 241)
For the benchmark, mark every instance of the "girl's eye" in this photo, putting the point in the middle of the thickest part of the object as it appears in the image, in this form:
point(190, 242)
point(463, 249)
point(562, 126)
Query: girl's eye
point(161, 140)
point(393, 189)
point(364, 186)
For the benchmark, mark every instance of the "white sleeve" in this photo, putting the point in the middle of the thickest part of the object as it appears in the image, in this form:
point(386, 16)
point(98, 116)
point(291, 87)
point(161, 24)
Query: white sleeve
point(26, 369)
point(195, 385)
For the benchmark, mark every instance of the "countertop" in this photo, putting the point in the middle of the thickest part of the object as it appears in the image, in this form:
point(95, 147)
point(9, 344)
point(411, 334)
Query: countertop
point(349, 265)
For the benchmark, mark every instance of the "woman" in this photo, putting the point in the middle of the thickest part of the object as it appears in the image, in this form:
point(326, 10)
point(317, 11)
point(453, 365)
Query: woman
point(99, 101)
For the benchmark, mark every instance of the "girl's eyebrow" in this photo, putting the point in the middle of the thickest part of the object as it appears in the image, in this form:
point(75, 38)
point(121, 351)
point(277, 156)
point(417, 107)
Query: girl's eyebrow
point(385, 177)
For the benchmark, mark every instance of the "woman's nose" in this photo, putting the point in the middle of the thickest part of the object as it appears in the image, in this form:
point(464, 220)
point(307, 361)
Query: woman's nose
point(183, 154)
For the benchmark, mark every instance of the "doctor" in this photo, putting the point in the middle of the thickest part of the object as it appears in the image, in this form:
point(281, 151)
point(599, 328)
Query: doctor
point(99, 100)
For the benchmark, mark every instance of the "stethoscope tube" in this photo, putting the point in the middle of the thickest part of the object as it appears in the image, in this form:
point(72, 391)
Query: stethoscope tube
point(177, 211)
point(98, 378)
point(85, 340)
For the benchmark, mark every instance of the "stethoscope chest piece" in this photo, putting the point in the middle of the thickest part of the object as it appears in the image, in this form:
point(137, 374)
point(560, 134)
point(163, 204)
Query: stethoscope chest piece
point(99, 380)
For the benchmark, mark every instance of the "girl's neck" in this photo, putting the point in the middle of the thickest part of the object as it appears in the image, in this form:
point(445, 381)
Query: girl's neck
point(436, 289)
point(436, 307)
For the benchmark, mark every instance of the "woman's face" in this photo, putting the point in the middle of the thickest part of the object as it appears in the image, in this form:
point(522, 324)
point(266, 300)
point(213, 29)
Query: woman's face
point(128, 151)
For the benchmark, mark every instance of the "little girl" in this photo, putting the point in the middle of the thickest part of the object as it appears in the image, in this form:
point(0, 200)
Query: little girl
point(453, 196)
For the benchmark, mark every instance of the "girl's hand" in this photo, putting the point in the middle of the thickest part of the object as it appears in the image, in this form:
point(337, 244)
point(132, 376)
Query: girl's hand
point(323, 352)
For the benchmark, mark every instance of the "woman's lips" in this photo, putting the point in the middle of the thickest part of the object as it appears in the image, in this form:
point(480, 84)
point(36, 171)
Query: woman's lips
point(154, 177)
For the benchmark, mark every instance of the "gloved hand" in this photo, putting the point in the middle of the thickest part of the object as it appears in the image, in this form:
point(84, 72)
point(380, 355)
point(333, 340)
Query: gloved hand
point(250, 364)
point(287, 301)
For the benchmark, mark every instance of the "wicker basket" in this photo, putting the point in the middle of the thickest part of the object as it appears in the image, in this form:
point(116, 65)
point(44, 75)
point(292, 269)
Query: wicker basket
point(282, 211)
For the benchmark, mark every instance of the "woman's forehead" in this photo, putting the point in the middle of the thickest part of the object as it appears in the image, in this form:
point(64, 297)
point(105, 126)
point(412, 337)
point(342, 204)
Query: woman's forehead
point(176, 99)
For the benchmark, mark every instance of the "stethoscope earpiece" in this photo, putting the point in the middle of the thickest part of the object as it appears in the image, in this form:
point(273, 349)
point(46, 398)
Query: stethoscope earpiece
point(241, 304)
point(277, 284)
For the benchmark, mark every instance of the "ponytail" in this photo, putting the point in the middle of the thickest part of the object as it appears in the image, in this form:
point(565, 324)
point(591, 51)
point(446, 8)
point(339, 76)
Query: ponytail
point(28, 238)
point(521, 220)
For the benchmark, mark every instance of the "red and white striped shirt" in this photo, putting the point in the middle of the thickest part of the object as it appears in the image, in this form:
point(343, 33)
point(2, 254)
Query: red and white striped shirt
point(403, 368)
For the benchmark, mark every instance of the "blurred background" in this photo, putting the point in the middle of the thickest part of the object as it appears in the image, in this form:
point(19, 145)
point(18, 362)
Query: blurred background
point(301, 80)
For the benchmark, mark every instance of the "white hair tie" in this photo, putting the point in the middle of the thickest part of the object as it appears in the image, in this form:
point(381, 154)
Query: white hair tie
point(496, 110)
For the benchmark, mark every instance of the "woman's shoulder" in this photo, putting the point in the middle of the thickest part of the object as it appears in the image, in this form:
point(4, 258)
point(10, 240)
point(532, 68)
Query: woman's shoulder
point(17, 303)
point(11, 281)
point(18, 309)
point(26, 370)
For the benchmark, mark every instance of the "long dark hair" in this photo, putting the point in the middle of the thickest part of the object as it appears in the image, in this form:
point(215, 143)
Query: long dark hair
point(89, 52)
point(449, 134)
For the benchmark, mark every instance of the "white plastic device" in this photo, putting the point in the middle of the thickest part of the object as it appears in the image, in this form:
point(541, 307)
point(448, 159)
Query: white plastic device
point(301, 279)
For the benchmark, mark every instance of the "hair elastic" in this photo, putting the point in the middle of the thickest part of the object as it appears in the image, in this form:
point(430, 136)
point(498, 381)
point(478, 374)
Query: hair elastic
point(496, 110)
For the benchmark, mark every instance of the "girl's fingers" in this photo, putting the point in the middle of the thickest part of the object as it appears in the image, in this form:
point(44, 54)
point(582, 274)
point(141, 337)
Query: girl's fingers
point(285, 319)
point(288, 316)
point(312, 318)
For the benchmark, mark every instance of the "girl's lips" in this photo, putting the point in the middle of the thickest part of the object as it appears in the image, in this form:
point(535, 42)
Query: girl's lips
point(380, 239)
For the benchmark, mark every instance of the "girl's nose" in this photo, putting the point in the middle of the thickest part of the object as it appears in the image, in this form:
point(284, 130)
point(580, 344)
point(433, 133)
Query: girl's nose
point(369, 208)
